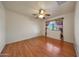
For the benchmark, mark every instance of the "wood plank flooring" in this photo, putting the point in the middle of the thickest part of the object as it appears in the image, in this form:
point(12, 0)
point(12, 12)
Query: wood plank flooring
point(39, 47)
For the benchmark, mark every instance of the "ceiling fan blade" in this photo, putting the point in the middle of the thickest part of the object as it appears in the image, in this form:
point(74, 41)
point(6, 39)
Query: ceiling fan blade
point(34, 14)
point(36, 17)
point(47, 14)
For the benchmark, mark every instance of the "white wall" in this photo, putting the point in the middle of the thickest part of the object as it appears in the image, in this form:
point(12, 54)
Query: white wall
point(2, 27)
point(68, 28)
point(77, 28)
point(20, 27)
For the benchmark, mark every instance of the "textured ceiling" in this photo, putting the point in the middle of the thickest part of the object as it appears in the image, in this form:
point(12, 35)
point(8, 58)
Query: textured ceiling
point(55, 8)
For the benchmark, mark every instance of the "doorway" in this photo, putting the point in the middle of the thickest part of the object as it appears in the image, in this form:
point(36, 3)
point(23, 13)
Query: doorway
point(56, 25)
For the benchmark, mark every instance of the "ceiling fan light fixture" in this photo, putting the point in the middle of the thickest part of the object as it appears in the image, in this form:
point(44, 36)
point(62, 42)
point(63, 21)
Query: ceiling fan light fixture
point(41, 11)
point(41, 16)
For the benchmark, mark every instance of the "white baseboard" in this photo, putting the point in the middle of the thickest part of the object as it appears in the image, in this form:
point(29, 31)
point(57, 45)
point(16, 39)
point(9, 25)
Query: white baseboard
point(24, 38)
point(2, 47)
point(77, 52)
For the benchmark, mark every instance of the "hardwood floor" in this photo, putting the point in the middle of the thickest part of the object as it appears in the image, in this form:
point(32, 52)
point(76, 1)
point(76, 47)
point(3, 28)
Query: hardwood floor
point(39, 47)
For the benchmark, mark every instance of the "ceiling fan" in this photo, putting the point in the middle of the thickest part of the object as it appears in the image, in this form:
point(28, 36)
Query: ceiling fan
point(41, 14)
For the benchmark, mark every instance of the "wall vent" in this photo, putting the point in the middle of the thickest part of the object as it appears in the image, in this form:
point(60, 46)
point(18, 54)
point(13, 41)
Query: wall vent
point(61, 2)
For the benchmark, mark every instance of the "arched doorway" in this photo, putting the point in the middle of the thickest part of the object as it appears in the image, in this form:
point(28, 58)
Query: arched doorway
point(55, 25)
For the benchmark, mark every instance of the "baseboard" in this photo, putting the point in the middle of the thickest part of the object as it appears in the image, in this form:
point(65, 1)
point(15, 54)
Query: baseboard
point(25, 38)
point(34, 37)
point(76, 51)
point(2, 48)
point(59, 39)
